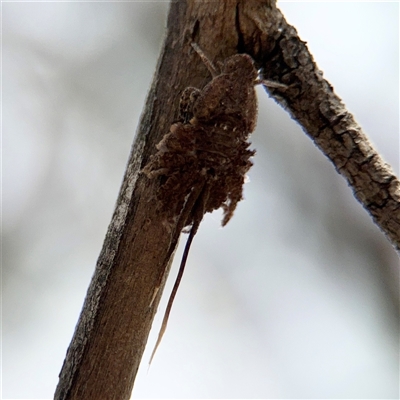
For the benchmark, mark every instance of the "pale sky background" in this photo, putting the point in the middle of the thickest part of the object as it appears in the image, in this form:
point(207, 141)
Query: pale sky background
point(296, 298)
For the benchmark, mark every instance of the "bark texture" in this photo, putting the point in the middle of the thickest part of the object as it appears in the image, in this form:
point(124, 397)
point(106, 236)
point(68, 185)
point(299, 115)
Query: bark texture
point(109, 340)
point(311, 101)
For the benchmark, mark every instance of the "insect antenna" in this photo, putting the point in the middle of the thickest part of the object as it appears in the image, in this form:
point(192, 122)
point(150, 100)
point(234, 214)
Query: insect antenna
point(207, 62)
point(271, 84)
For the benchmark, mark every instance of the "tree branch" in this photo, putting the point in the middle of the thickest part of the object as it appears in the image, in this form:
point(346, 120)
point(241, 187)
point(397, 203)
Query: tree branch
point(311, 101)
point(109, 340)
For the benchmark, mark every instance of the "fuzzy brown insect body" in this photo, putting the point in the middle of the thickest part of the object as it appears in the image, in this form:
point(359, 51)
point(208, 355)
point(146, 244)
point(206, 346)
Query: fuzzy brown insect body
point(203, 160)
point(208, 146)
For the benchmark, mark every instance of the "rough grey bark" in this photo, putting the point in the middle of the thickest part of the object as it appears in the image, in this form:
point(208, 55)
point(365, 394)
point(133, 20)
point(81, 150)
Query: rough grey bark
point(109, 340)
point(312, 102)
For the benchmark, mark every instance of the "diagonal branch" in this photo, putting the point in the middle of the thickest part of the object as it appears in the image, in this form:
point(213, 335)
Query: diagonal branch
point(312, 102)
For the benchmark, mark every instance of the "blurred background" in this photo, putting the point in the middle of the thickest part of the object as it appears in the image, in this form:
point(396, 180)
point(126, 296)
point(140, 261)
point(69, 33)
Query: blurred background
point(298, 297)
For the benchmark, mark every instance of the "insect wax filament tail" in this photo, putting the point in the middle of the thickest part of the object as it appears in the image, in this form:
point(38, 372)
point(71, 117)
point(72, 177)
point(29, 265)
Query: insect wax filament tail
point(193, 231)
